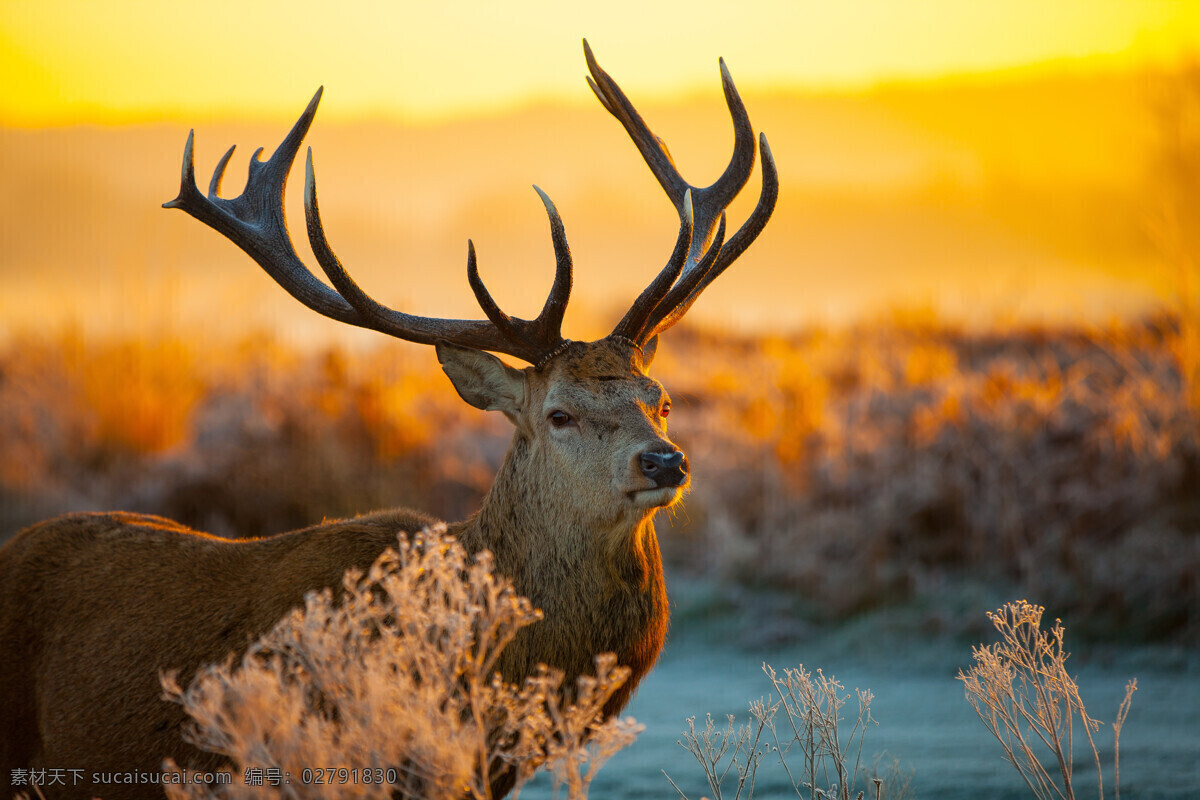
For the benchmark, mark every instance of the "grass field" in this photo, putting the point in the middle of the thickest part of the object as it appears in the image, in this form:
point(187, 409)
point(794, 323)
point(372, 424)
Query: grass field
point(847, 470)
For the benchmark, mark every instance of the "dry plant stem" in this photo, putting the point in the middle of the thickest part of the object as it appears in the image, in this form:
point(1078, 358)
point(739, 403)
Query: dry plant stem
point(573, 745)
point(1118, 723)
point(813, 709)
point(398, 675)
point(710, 746)
point(1022, 692)
point(813, 705)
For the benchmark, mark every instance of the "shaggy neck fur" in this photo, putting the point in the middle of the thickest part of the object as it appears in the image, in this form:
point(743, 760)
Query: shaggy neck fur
point(598, 582)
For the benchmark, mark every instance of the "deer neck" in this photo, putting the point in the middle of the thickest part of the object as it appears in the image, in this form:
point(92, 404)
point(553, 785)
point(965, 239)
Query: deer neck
point(595, 578)
point(538, 518)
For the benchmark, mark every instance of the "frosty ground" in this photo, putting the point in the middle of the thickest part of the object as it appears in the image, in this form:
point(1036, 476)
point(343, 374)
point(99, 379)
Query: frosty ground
point(713, 664)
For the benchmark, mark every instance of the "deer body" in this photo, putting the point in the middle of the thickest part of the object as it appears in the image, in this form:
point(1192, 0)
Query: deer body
point(92, 656)
point(192, 599)
point(93, 607)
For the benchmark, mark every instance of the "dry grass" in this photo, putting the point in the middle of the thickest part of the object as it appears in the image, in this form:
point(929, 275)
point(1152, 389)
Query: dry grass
point(1024, 695)
point(1019, 687)
point(868, 466)
point(819, 755)
point(851, 468)
point(397, 677)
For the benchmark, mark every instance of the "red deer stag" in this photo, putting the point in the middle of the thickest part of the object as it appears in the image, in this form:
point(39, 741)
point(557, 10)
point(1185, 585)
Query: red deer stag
point(95, 606)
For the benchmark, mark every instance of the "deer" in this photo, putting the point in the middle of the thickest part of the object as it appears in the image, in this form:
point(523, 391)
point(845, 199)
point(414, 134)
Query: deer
point(95, 606)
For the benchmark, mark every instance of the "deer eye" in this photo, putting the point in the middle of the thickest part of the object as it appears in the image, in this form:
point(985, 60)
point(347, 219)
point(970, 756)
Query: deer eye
point(560, 419)
point(665, 410)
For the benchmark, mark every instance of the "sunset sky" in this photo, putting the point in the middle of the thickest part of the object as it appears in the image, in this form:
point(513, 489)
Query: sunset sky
point(1025, 190)
point(67, 61)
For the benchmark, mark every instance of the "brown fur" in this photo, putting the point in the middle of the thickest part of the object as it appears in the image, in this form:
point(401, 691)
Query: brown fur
point(94, 606)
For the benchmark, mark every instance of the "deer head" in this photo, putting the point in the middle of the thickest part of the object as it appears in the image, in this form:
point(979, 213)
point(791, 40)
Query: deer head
point(576, 394)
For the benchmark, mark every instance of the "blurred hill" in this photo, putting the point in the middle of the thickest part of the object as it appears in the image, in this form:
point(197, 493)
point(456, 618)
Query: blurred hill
point(1020, 195)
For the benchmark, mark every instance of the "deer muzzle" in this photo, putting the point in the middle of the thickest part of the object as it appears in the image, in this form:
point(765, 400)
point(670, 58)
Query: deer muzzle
point(665, 469)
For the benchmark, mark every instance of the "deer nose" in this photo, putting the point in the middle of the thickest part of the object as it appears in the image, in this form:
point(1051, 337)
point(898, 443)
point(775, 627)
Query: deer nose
point(665, 469)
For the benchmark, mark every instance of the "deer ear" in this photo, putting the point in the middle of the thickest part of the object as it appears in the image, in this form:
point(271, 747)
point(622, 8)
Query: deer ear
point(648, 351)
point(481, 379)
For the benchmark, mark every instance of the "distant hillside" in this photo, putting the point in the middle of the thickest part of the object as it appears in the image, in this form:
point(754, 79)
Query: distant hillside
point(1020, 197)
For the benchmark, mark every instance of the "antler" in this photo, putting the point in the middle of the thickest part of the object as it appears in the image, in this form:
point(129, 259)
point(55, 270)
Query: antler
point(700, 254)
point(254, 221)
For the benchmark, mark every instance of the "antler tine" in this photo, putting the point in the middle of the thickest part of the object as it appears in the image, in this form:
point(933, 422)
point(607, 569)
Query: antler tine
point(709, 202)
point(680, 293)
point(254, 221)
point(653, 149)
point(546, 330)
point(552, 312)
point(374, 315)
point(526, 339)
point(705, 258)
point(737, 244)
point(482, 296)
point(634, 321)
point(754, 224)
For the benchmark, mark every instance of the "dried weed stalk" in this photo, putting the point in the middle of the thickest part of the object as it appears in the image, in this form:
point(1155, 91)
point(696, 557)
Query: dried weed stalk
point(826, 759)
point(1021, 690)
point(396, 676)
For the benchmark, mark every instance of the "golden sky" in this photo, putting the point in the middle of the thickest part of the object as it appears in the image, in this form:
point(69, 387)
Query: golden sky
point(68, 61)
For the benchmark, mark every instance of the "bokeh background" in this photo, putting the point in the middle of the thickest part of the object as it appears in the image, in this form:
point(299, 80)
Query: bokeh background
point(960, 366)
point(981, 160)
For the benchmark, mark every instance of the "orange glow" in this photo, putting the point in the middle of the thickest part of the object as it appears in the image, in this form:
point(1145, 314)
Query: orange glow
point(65, 61)
point(1011, 175)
